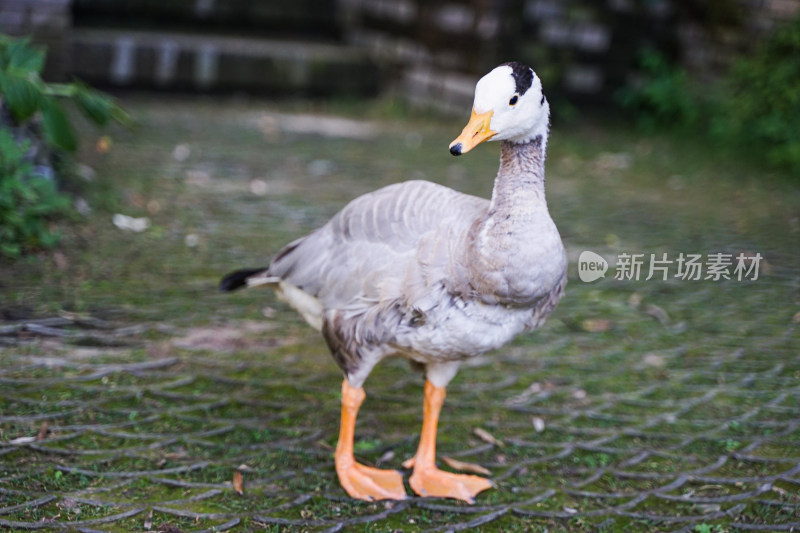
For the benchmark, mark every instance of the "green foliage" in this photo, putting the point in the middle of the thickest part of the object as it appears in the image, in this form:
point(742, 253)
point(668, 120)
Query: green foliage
point(663, 97)
point(25, 94)
point(760, 103)
point(27, 201)
point(707, 528)
point(755, 107)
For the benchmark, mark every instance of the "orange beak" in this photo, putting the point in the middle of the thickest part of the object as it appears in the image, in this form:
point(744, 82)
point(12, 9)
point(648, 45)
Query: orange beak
point(475, 132)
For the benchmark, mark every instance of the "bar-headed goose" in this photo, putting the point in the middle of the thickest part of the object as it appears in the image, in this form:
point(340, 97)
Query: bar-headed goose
point(419, 270)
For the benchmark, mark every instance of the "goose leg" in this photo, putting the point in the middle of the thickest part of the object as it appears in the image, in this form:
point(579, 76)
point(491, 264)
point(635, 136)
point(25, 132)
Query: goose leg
point(361, 482)
point(427, 480)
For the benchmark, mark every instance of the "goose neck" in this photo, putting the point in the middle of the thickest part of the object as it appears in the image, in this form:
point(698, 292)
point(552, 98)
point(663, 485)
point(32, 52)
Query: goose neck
point(520, 181)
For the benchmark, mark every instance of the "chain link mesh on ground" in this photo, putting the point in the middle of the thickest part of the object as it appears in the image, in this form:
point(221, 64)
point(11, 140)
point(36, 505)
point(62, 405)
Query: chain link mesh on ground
point(149, 436)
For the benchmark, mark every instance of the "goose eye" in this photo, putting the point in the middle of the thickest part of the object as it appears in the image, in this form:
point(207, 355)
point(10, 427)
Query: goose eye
point(513, 100)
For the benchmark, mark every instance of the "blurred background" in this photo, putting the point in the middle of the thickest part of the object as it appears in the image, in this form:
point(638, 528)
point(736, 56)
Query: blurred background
point(724, 74)
point(429, 52)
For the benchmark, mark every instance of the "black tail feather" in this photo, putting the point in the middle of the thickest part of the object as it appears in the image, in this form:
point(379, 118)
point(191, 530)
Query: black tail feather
point(238, 279)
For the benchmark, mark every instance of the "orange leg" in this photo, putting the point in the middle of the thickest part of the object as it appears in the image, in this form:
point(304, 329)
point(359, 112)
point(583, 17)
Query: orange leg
point(362, 482)
point(427, 480)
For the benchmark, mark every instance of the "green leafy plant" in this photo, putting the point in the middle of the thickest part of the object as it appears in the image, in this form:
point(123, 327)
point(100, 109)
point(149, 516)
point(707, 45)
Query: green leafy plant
point(754, 108)
point(663, 96)
point(25, 95)
point(759, 106)
point(708, 528)
point(28, 201)
point(34, 125)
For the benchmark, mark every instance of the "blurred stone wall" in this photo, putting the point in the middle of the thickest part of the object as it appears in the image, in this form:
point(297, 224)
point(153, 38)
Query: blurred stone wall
point(314, 20)
point(275, 47)
point(707, 50)
point(48, 21)
point(582, 49)
point(432, 52)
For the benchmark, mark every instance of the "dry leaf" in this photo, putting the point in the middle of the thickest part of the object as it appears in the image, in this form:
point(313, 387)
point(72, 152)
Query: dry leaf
point(238, 481)
point(533, 390)
point(148, 522)
point(596, 325)
point(796, 318)
point(322, 444)
point(42, 432)
point(779, 490)
point(103, 144)
point(386, 457)
point(635, 300)
point(174, 456)
point(485, 436)
point(658, 313)
point(461, 466)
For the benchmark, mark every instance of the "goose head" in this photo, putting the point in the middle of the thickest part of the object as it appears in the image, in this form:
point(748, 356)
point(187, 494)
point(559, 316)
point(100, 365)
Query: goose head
point(508, 106)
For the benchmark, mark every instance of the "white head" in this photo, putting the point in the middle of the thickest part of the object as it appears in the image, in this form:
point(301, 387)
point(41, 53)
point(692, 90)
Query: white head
point(508, 106)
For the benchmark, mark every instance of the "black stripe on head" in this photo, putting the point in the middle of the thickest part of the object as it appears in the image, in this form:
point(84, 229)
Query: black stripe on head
point(523, 76)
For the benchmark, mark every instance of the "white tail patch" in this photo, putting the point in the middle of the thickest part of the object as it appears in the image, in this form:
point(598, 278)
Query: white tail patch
point(305, 304)
point(260, 280)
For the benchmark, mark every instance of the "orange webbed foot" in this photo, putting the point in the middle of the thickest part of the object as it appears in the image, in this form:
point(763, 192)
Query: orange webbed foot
point(371, 484)
point(431, 481)
point(427, 480)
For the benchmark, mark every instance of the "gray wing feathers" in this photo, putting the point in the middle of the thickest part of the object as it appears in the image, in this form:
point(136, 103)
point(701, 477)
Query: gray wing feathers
point(385, 244)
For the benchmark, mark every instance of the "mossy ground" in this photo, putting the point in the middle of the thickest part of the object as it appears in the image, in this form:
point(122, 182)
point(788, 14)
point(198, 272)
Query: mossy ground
point(667, 405)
